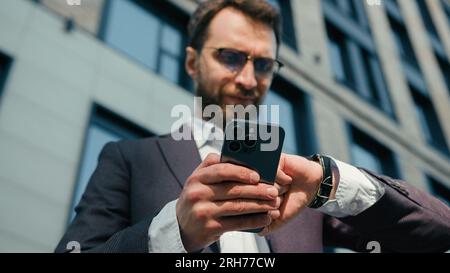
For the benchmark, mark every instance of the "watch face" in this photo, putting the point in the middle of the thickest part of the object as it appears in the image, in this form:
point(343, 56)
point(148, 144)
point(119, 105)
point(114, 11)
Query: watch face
point(314, 157)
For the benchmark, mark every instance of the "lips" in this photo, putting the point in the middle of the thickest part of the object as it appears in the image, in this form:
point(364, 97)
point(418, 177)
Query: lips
point(238, 99)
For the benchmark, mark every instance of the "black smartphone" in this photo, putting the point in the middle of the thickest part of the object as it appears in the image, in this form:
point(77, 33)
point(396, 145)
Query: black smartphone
point(255, 146)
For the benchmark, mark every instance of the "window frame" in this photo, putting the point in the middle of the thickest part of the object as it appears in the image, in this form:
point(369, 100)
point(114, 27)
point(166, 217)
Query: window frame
point(437, 138)
point(178, 21)
point(438, 189)
point(387, 158)
point(302, 114)
point(427, 20)
point(287, 14)
point(356, 44)
point(108, 120)
point(353, 9)
point(5, 69)
point(446, 7)
point(444, 65)
point(416, 82)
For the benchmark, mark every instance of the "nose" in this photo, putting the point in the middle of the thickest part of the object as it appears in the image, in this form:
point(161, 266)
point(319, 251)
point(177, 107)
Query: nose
point(246, 77)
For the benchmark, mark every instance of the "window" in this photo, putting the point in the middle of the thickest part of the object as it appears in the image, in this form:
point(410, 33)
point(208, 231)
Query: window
point(439, 189)
point(394, 2)
point(289, 36)
point(433, 35)
point(376, 91)
point(427, 19)
point(353, 9)
point(355, 65)
point(429, 122)
point(368, 153)
point(294, 116)
point(340, 59)
point(392, 7)
point(446, 7)
point(425, 113)
point(435, 40)
point(445, 69)
point(150, 33)
point(403, 42)
point(5, 64)
point(104, 127)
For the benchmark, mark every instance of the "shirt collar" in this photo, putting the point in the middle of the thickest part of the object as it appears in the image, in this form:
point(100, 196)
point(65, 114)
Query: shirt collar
point(206, 133)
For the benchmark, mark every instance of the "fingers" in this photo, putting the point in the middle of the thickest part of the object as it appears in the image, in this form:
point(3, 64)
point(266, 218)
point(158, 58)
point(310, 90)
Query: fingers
point(244, 206)
point(282, 189)
point(211, 171)
point(233, 190)
point(245, 222)
point(274, 214)
point(265, 231)
point(210, 159)
point(217, 173)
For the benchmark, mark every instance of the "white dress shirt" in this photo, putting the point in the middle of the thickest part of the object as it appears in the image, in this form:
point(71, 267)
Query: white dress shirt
point(355, 193)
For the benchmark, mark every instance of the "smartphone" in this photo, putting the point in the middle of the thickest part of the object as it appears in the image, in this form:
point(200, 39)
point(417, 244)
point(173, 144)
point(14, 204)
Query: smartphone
point(255, 146)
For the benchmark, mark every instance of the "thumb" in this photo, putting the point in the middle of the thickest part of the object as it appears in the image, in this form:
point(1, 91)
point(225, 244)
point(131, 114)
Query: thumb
point(282, 178)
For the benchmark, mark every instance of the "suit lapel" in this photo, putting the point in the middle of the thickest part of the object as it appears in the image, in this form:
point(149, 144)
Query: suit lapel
point(181, 156)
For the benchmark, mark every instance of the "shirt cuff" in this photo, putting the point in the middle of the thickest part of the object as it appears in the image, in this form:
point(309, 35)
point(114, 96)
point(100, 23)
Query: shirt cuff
point(356, 192)
point(164, 232)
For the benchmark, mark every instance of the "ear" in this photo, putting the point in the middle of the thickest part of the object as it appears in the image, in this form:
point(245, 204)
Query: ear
point(191, 62)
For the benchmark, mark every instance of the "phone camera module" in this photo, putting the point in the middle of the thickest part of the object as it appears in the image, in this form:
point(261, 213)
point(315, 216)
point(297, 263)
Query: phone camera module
point(238, 133)
point(249, 142)
point(234, 146)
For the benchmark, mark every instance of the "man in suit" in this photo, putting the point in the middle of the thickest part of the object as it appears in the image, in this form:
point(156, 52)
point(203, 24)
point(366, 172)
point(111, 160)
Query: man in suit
point(165, 195)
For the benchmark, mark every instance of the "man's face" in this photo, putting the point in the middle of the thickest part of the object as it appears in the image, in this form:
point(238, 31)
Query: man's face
point(215, 82)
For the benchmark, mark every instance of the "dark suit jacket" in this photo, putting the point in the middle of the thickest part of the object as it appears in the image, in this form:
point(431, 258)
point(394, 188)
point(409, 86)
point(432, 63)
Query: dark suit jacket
point(134, 180)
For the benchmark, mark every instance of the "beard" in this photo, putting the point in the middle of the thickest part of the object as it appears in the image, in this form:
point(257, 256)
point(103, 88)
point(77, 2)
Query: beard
point(217, 97)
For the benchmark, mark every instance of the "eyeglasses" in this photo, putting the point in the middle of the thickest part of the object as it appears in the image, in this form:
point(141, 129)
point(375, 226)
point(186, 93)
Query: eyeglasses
point(235, 60)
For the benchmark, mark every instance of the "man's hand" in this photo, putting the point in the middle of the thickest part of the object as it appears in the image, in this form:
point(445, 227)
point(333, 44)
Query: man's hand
point(306, 176)
point(221, 197)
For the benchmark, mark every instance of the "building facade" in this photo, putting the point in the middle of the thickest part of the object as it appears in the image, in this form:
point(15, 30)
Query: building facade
point(367, 82)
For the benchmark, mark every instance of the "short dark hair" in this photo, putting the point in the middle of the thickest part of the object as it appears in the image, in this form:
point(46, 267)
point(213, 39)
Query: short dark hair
point(259, 10)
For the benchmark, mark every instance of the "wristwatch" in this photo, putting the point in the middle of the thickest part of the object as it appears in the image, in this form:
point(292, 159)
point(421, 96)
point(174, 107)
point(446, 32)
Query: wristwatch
point(326, 185)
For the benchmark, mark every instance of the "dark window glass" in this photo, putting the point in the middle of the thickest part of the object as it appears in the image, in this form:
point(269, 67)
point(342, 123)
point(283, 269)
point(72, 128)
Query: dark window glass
point(353, 9)
point(445, 69)
point(446, 7)
point(391, 4)
point(359, 69)
point(294, 116)
point(439, 189)
point(340, 59)
point(289, 36)
point(353, 54)
point(368, 153)
point(104, 127)
point(5, 64)
point(146, 32)
point(427, 18)
point(394, 2)
point(393, 9)
point(429, 122)
point(403, 42)
point(378, 92)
